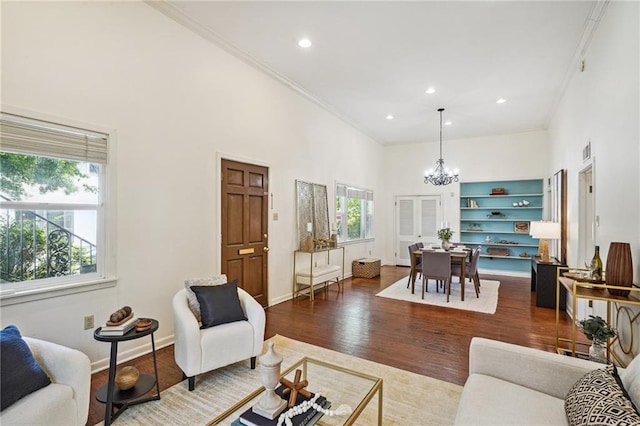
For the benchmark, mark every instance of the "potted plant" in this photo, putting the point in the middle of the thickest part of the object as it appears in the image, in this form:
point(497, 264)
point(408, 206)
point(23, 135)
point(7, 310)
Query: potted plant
point(445, 235)
point(598, 331)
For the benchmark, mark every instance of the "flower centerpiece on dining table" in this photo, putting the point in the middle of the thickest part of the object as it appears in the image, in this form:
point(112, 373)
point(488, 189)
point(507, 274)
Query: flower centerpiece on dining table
point(445, 235)
point(598, 331)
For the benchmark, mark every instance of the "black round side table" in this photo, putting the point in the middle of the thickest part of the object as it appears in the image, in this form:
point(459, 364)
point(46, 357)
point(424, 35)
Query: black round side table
point(122, 399)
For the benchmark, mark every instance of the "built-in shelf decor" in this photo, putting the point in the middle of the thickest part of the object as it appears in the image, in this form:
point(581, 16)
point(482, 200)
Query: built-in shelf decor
point(499, 221)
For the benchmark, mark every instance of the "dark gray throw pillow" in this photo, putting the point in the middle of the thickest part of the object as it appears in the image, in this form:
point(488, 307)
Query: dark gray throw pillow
point(219, 304)
point(20, 373)
point(598, 398)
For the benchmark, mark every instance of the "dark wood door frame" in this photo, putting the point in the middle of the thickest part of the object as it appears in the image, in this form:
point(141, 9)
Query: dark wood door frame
point(244, 202)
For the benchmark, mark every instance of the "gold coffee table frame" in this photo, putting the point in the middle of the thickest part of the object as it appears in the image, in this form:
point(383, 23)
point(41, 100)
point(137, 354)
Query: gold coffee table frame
point(303, 363)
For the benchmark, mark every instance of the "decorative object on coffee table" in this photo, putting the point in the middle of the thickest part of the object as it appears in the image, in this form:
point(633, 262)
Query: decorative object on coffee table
point(127, 377)
point(296, 387)
point(619, 268)
point(270, 404)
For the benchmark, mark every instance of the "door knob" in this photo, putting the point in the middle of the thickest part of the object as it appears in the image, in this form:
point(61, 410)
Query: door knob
point(265, 249)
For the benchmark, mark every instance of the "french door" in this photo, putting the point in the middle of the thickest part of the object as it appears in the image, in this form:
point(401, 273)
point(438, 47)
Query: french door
point(417, 219)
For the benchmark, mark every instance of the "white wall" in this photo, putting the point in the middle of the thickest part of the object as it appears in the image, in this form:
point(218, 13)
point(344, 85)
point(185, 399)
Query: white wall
point(498, 157)
point(602, 105)
point(177, 103)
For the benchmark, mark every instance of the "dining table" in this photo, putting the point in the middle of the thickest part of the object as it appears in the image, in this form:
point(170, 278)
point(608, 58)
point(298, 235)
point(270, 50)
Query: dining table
point(458, 255)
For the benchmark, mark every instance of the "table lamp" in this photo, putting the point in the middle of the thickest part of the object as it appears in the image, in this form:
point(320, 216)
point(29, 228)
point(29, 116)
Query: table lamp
point(544, 231)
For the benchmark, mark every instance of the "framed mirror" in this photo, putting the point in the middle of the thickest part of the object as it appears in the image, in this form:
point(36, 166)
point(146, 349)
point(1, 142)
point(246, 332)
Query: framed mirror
point(313, 211)
point(558, 248)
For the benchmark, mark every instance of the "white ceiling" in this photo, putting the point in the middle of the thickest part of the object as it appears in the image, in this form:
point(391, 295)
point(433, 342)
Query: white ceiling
point(371, 59)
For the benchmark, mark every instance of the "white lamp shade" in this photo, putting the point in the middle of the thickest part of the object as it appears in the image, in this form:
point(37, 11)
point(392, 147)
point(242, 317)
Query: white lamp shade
point(546, 230)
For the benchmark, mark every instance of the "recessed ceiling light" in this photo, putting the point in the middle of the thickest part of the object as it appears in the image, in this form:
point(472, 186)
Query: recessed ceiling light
point(430, 91)
point(304, 43)
point(448, 123)
point(390, 117)
point(501, 101)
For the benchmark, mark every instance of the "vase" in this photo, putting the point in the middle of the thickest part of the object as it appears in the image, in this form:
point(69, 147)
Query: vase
point(619, 268)
point(597, 352)
point(308, 244)
point(270, 405)
point(446, 245)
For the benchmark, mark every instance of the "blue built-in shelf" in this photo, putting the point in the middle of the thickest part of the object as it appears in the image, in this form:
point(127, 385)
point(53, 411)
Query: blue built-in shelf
point(500, 223)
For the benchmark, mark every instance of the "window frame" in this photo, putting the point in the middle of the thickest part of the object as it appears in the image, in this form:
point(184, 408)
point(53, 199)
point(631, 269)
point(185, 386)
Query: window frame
point(367, 220)
point(105, 276)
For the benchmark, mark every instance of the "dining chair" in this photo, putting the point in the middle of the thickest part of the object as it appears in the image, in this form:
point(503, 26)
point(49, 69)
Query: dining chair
point(471, 270)
point(420, 245)
point(416, 263)
point(436, 265)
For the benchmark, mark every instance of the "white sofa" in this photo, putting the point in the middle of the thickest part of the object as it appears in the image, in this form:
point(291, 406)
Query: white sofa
point(66, 400)
point(515, 385)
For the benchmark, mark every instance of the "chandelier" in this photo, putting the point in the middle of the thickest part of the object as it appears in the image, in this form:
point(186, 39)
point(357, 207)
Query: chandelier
point(442, 175)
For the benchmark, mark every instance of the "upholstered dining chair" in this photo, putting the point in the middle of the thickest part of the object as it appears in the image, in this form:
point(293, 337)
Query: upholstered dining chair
point(205, 341)
point(416, 263)
point(436, 265)
point(471, 270)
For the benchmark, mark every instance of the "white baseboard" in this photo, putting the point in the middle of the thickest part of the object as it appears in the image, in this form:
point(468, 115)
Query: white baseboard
point(286, 297)
point(103, 364)
point(505, 273)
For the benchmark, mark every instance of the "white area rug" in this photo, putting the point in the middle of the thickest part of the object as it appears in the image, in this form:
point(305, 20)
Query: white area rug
point(408, 398)
point(486, 303)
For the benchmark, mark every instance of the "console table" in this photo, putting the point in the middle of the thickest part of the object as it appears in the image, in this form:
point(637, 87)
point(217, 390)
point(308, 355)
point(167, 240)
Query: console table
point(615, 306)
point(122, 399)
point(316, 273)
point(543, 282)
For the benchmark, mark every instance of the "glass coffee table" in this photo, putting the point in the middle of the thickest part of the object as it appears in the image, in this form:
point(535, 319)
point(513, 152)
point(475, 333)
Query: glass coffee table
point(338, 384)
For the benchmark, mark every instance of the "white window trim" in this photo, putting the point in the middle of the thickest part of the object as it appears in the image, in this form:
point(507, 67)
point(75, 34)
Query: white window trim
point(366, 190)
point(61, 286)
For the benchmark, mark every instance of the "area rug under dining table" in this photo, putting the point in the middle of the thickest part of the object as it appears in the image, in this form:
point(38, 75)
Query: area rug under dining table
point(408, 398)
point(487, 302)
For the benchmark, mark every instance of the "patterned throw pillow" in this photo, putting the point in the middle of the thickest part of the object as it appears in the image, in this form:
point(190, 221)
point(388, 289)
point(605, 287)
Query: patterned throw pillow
point(192, 300)
point(598, 398)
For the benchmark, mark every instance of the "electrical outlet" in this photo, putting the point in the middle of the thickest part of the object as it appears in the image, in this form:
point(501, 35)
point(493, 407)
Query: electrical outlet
point(88, 322)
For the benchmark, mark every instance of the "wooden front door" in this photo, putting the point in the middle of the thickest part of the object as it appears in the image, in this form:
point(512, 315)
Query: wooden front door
point(244, 226)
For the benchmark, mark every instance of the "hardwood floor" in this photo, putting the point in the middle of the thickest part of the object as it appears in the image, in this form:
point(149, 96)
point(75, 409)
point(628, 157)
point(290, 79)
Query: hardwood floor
point(424, 339)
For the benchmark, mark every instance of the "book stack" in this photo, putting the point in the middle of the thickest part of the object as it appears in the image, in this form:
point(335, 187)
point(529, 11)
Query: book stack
point(249, 418)
point(120, 329)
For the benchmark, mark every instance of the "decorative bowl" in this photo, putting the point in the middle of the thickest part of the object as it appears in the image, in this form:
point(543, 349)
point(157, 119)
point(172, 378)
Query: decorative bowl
point(143, 324)
point(127, 378)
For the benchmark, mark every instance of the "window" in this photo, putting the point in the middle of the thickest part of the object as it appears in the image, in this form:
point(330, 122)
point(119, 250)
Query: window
point(354, 213)
point(52, 207)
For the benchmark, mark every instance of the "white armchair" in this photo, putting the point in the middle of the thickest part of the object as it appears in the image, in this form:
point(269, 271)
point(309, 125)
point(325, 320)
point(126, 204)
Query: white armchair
point(198, 351)
point(66, 400)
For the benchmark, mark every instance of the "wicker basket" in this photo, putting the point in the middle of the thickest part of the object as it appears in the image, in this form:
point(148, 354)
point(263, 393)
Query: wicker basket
point(365, 268)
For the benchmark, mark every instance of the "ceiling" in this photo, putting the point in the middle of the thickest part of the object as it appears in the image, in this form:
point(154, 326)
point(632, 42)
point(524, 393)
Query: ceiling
point(372, 59)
